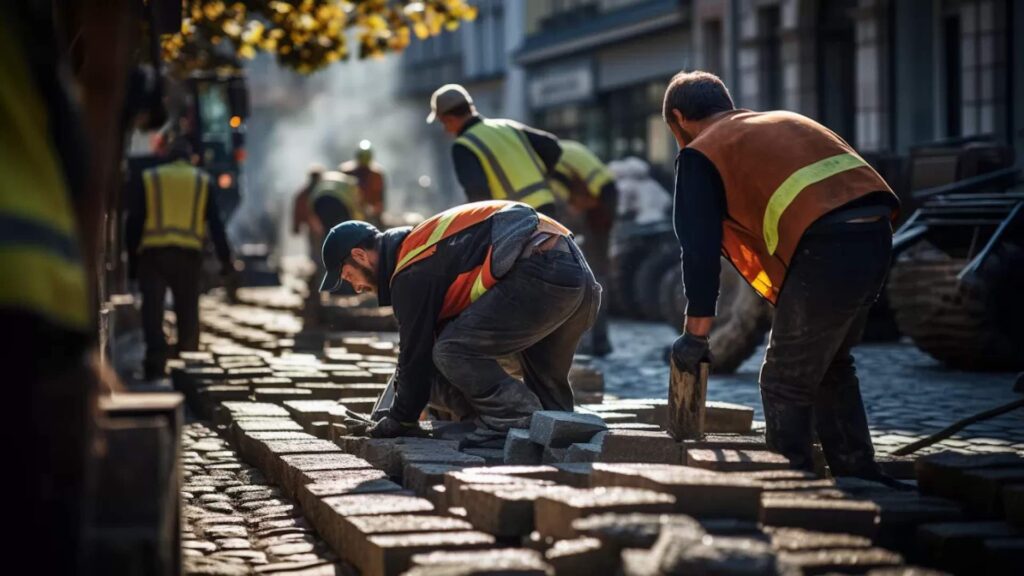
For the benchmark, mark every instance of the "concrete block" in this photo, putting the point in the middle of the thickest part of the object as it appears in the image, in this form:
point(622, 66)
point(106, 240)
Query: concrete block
point(697, 492)
point(405, 455)
point(560, 429)
point(958, 547)
point(491, 456)
point(553, 455)
point(581, 557)
point(350, 534)
point(390, 554)
point(538, 472)
point(846, 561)
point(296, 468)
point(621, 531)
point(856, 517)
point(420, 477)
point(455, 482)
point(723, 460)
point(799, 540)
point(517, 561)
point(1003, 555)
point(502, 510)
point(902, 512)
point(940, 474)
point(982, 489)
point(724, 417)
point(312, 496)
point(575, 474)
point(555, 512)
point(676, 552)
point(281, 395)
point(640, 446)
point(588, 452)
point(305, 411)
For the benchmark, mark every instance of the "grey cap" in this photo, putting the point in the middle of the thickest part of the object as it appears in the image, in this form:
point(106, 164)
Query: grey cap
point(447, 98)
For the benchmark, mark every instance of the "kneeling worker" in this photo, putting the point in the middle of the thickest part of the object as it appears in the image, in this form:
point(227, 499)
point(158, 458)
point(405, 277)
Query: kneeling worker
point(476, 283)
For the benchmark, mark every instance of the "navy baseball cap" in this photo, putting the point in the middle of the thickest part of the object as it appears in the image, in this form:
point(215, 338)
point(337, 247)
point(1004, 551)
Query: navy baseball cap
point(337, 245)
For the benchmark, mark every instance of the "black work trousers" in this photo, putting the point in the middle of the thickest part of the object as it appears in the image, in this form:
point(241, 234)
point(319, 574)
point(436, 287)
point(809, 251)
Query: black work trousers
point(834, 278)
point(177, 269)
point(537, 313)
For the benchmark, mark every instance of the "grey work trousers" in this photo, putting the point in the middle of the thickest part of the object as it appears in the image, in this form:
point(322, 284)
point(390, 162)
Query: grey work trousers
point(834, 278)
point(537, 313)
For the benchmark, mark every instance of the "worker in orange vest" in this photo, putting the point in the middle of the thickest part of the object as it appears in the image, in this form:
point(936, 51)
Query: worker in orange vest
point(476, 283)
point(807, 222)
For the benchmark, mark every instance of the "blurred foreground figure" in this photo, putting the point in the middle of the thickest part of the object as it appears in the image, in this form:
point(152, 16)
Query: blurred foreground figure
point(48, 356)
point(476, 283)
point(370, 178)
point(494, 158)
point(587, 187)
point(807, 222)
point(167, 223)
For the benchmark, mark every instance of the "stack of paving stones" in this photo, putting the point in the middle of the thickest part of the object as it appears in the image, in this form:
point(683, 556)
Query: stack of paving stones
point(601, 490)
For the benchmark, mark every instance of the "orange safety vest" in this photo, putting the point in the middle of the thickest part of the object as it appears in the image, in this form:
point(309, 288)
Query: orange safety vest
point(780, 171)
point(422, 242)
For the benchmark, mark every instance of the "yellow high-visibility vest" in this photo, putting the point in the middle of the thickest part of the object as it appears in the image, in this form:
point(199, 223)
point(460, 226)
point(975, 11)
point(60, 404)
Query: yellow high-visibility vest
point(513, 168)
point(176, 196)
point(39, 246)
point(342, 187)
point(578, 162)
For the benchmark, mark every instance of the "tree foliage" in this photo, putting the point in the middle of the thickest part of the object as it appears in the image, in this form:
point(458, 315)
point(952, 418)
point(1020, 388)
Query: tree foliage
point(305, 35)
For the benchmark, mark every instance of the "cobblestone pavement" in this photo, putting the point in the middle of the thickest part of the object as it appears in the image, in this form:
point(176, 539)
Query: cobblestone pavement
point(907, 393)
point(233, 522)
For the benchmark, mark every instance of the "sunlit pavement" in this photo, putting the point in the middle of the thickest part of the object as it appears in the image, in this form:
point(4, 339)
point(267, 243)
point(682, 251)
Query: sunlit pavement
point(908, 394)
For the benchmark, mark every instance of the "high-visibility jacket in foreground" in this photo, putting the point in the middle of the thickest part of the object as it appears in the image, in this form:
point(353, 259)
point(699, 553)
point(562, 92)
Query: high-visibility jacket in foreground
point(39, 246)
point(780, 171)
point(422, 242)
point(513, 168)
point(343, 188)
point(176, 197)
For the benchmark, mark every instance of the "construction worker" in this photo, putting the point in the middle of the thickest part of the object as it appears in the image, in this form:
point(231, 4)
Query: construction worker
point(49, 355)
point(469, 286)
point(808, 223)
point(586, 186)
point(496, 159)
point(334, 199)
point(371, 181)
point(168, 222)
point(303, 219)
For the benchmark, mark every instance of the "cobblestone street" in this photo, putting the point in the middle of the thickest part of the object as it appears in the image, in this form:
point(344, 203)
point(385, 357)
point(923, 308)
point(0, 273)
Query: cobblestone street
point(907, 393)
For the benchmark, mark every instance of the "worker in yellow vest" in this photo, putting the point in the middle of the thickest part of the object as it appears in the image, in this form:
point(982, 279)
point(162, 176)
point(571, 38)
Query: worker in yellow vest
point(168, 223)
point(334, 199)
point(586, 187)
point(49, 354)
point(807, 222)
point(493, 158)
point(469, 286)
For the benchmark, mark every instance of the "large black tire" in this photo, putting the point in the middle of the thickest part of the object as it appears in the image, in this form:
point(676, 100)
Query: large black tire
point(742, 321)
point(972, 326)
point(648, 277)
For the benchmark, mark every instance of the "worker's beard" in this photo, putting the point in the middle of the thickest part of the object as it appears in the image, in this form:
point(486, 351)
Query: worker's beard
point(369, 276)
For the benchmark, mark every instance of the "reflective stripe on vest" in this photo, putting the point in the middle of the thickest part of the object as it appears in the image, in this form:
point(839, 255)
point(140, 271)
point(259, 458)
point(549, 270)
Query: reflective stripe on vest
point(795, 183)
point(341, 189)
point(469, 286)
point(578, 162)
point(176, 197)
point(39, 246)
point(513, 169)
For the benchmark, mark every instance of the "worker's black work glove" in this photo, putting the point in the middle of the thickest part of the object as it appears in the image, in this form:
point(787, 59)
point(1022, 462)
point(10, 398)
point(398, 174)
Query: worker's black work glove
point(689, 350)
point(389, 427)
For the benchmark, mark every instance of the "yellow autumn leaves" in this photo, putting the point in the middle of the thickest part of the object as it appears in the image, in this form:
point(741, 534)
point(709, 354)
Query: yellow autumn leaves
point(307, 34)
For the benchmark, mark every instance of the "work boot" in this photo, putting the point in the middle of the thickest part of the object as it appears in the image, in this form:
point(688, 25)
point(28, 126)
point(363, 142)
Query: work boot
point(842, 427)
point(788, 432)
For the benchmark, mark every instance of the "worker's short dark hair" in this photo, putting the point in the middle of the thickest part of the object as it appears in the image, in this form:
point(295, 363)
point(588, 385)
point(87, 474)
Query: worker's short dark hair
point(460, 111)
point(696, 95)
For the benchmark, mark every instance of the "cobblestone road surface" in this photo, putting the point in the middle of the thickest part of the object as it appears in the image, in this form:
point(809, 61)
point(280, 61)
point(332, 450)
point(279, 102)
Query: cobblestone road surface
point(908, 394)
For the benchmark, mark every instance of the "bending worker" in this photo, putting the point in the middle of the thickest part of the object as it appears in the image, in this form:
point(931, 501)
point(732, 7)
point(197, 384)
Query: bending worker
point(476, 283)
point(496, 159)
point(370, 178)
point(588, 187)
point(168, 222)
point(808, 224)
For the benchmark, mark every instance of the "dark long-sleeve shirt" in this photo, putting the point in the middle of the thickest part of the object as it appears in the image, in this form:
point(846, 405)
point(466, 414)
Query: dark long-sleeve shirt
point(136, 221)
point(697, 213)
point(471, 173)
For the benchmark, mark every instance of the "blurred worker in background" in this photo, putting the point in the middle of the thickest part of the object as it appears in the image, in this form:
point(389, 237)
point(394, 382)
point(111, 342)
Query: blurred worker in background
point(807, 222)
point(587, 187)
point(303, 219)
point(496, 159)
point(167, 225)
point(370, 177)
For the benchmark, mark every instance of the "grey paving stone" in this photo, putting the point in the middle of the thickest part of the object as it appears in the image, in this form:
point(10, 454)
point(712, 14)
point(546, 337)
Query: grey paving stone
point(560, 429)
